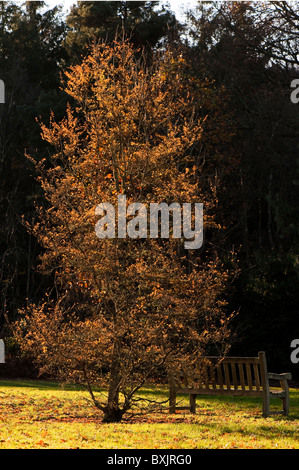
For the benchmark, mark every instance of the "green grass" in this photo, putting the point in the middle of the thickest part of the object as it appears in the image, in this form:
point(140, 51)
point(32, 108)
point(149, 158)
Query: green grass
point(44, 415)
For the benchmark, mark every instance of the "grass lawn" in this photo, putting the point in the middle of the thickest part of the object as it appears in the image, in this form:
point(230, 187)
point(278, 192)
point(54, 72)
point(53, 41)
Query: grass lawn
point(44, 415)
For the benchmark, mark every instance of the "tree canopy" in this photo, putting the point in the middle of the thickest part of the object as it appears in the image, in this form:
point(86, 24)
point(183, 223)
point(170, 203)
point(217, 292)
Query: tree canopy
point(128, 307)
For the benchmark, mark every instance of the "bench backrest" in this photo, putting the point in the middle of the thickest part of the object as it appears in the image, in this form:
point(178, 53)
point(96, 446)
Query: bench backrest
point(231, 375)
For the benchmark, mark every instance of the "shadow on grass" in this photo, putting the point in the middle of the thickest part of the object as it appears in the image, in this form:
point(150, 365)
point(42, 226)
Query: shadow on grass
point(40, 385)
point(242, 404)
point(157, 391)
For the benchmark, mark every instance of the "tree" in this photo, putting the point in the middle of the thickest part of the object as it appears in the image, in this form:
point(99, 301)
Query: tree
point(276, 25)
point(143, 22)
point(30, 51)
point(128, 309)
point(249, 48)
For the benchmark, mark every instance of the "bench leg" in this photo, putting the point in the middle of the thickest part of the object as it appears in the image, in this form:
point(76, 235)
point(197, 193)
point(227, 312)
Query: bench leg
point(172, 399)
point(285, 406)
point(285, 400)
point(192, 403)
point(266, 405)
point(285, 403)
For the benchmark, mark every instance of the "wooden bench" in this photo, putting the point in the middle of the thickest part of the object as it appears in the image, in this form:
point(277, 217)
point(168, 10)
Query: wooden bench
point(237, 376)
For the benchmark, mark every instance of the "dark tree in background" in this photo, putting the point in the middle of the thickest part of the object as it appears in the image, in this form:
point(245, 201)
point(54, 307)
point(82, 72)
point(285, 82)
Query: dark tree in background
point(250, 49)
point(146, 23)
point(30, 52)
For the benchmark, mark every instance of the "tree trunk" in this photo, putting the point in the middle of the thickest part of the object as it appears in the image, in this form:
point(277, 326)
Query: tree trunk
point(112, 412)
point(112, 415)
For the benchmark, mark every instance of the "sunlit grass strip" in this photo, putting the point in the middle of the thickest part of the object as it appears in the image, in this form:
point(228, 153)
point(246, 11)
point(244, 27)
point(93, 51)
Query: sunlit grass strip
point(43, 415)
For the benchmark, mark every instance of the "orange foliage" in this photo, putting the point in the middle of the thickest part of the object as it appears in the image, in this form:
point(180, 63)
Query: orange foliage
point(128, 309)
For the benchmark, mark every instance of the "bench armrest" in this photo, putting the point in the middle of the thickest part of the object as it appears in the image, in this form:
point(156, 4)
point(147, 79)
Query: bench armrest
point(274, 376)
